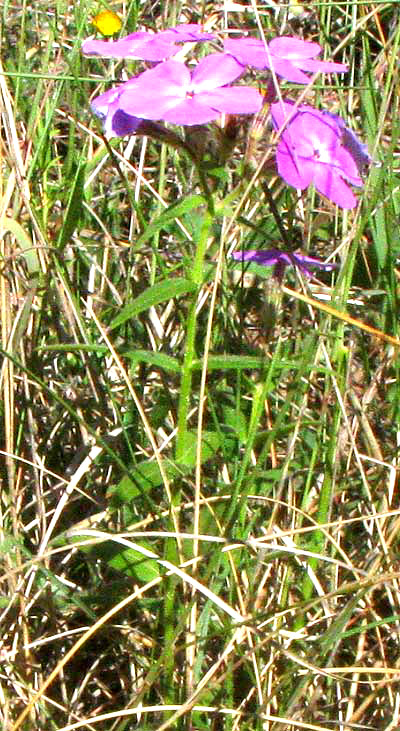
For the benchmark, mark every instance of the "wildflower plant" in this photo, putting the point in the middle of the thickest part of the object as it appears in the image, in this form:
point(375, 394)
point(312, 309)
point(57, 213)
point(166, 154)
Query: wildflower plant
point(312, 146)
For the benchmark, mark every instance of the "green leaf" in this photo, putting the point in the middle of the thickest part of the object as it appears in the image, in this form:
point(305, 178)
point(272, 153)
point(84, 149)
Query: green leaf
point(24, 242)
point(210, 443)
point(160, 360)
point(74, 208)
point(236, 421)
point(144, 478)
point(170, 214)
point(160, 292)
point(230, 362)
point(132, 563)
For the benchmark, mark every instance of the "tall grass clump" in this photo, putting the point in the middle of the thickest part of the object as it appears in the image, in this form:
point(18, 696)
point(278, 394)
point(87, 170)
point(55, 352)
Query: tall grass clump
point(200, 387)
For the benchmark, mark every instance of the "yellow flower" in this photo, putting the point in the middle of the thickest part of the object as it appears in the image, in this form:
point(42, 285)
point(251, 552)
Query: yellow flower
point(107, 23)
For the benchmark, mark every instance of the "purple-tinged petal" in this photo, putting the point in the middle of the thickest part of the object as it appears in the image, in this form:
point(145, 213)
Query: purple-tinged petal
point(215, 70)
point(140, 45)
point(313, 137)
point(252, 52)
point(233, 100)
point(100, 104)
point(293, 48)
point(148, 105)
point(283, 112)
point(295, 171)
point(186, 32)
point(114, 49)
point(190, 111)
point(282, 259)
point(248, 51)
point(357, 150)
point(301, 54)
point(328, 182)
point(313, 262)
point(346, 165)
point(154, 50)
point(121, 124)
point(267, 257)
point(324, 67)
point(157, 90)
point(287, 70)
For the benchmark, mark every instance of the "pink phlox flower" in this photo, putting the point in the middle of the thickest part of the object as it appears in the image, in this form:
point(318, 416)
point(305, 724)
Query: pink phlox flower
point(311, 150)
point(147, 46)
point(170, 91)
point(289, 57)
point(281, 259)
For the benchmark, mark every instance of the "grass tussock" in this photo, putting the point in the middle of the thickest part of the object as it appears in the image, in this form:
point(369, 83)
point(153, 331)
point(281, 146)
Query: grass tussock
point(199, 506)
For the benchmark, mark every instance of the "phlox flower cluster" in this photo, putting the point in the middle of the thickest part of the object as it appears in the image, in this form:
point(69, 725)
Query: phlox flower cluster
point(313, 146)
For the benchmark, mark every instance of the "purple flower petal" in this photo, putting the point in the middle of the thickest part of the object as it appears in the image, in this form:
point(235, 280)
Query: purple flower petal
point(295, 171)
point(156, 90)
point(156, 49)
point(252, 52)
point(283, 113)
point(328, 182)
point(282, 259)
point(215, 70)
point(325, 67)
point(248, 51)
point(287, 70)
point(326, 266)
point(293, 48)
point(186, 32)
point(140, 45)
point(191, 111)
point(357, 150)
point(147, 46)
point(115, 122)
point(233, 100)
point(267, 257)
point(101, 103)
point(111, 48)
point(120, 124)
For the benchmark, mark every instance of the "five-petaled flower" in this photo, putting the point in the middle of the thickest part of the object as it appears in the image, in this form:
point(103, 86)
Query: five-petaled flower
point(171, 92)
point(147, 46)
point(310, 150)
point(281, 259)
point(289, 57)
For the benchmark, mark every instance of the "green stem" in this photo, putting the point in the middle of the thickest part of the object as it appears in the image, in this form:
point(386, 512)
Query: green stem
point(186, 382)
